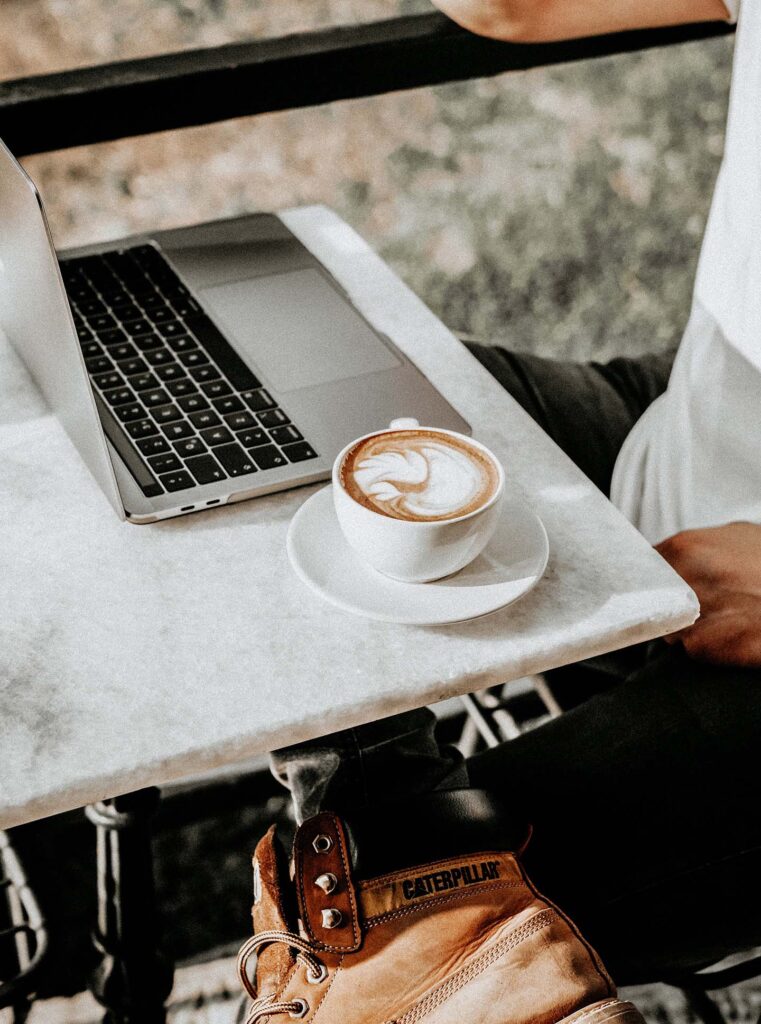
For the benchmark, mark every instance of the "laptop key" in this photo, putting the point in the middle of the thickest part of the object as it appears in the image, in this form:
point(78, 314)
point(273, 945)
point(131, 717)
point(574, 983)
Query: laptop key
point(130, 367)
point(118, 299)
point(84, 333)
point(98, 365)
point(157, 269)
point(166, 413)
point(152, 300)
point(137, 327)
point(98, 272)
point(171, 371)
point(185, 306)
point(114, 337)
point(173, 291)
point(205, 469)
point(216, 388)
point(177, 481)
point(102, 322)
point(193, 358)
point(200, 420)
point(223, 354)
point(161, 313)
point(152, 445)
point(108, 380)
point(299, 452)
point(170, 328)
point(143, 382)
point(119, 396)
point(183, 343)
point(286, 435)
point(159, 357)
point(127, 313)
point(146, 342)
point(235, 459)
point(115, 292)
point(268, 457)
point(90, 349)
point(216, 435)
point(251, 438)
point(123, 351)
point(193, 403)
point(191, 446)
point(239, 420)
point(80, 292)
point(142, 428)
point(203, 373)
point(258, 400)
point(157, 396)
point(146, 257)
point(183, 386)
point(125, 413)
point(273, 418)
point(164, 463)
point(178, 430)
point(228, 404)
point(90, 307)
point(124, 267)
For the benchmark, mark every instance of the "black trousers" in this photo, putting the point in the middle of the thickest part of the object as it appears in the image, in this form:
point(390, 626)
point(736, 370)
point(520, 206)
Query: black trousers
point(645, 800)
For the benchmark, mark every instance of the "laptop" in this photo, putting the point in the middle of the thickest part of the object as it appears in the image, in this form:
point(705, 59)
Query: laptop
point(199, 366)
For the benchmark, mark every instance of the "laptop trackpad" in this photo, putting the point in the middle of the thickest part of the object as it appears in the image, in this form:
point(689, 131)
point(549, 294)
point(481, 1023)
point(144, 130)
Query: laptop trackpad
point(297, 329)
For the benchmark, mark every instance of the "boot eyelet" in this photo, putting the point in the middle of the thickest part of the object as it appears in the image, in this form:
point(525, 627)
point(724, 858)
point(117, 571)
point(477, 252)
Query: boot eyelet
point(314, 978)
point(332, 918)
point(302, 1011)
point(327, 882)
point(322, 843)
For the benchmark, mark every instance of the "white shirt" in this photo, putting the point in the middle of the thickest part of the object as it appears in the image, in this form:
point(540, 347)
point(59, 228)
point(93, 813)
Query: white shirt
point(694, 458)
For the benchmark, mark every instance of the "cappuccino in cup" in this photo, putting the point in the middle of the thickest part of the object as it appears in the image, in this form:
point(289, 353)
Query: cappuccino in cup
point(419, 475)
point(417, 503)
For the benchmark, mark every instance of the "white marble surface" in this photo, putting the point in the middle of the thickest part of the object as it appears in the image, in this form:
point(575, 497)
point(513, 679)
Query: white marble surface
point(134, 655)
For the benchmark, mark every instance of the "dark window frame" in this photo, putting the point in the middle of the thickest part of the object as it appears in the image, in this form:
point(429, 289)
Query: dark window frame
point(137, 97)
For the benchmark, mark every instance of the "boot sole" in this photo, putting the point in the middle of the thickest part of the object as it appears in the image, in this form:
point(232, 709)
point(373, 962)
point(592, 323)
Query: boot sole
point(606, 1012)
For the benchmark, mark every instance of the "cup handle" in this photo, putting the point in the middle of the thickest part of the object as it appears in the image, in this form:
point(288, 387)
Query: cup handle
point(404, 423)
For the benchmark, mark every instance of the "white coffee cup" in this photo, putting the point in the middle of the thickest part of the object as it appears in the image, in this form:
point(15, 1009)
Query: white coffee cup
point(416, 551)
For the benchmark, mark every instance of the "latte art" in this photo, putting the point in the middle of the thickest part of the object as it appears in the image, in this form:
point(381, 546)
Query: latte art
point(419, 475)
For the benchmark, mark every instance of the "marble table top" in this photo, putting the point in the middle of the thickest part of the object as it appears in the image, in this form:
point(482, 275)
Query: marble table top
point(136, 655)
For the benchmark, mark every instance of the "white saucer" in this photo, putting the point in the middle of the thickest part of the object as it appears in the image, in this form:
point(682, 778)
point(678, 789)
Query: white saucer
point(510, 566)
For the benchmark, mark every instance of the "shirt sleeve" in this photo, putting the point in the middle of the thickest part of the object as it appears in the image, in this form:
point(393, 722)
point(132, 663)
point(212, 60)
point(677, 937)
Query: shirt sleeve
point(733, 6)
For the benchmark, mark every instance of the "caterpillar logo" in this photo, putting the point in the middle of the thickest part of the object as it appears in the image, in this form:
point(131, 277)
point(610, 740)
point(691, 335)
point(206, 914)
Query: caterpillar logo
point(441, 881)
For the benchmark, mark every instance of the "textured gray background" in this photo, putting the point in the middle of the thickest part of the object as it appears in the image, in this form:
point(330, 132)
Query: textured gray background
point(560, 210)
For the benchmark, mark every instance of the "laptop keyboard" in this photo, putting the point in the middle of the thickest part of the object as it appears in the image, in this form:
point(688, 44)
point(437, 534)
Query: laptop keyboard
point(176, 401)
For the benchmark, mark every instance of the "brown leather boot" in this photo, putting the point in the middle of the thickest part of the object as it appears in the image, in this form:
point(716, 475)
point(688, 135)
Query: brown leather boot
point(460, 938)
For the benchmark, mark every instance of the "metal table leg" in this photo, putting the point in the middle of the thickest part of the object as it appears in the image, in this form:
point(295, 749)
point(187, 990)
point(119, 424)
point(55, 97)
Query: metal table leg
point(134, 978)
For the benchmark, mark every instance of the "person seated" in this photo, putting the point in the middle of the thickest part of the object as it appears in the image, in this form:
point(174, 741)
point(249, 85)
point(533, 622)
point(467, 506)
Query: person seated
point(413, 891)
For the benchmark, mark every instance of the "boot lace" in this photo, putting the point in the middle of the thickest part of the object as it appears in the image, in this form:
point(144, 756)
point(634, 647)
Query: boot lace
point(265, 1006)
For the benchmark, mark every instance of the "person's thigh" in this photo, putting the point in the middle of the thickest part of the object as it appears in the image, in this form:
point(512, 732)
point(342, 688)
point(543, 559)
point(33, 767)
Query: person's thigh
point(645, 806)
point(588, 409)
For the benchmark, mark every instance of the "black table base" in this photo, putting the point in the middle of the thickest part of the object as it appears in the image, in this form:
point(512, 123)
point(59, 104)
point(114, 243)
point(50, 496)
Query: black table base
point(134, 977)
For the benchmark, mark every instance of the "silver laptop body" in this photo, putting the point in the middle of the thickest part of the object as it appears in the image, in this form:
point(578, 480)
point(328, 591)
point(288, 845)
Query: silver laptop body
point(305, 372)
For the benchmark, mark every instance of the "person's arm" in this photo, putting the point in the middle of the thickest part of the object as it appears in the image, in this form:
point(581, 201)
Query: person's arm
point(529, 21)
point(722, 564)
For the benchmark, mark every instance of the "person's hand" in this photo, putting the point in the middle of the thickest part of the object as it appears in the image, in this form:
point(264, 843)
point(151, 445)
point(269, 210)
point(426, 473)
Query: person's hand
point(722, 564)
point(534, 21)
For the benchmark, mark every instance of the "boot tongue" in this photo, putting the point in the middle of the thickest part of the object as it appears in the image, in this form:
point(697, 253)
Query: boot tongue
point(272, 889)
point(322, 872)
